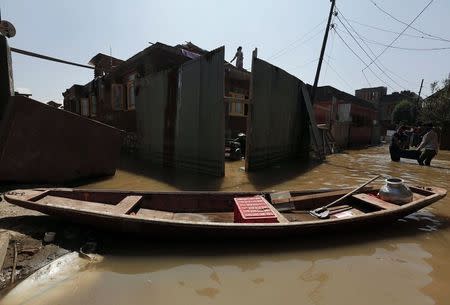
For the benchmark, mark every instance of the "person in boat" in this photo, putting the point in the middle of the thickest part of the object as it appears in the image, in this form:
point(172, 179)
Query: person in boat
point(397, 144)
point(239, 56)
point(429, 144)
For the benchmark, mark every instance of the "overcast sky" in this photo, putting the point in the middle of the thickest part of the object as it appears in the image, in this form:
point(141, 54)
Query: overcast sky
point(77, 30)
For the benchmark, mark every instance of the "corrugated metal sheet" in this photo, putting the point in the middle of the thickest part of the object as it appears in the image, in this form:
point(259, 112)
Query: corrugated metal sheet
point(277, 117)
point(200, 128)
point(180, 115)
point(151, 102)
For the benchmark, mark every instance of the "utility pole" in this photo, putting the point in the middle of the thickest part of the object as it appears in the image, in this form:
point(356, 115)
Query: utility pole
point(420, 91)
point(322, 52)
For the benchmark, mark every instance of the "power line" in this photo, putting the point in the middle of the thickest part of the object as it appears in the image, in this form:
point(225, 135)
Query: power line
point(371, 41)
point(28, 53)
point(359, 57)
point(390, 31)
point(398, 20)
point(401, 33)
point(365, 76)
point(370, 57)
point(405, 48)
point(306, 63)
point(371, 51)
point(337, 73)
point(380, 79)
point(285, 49)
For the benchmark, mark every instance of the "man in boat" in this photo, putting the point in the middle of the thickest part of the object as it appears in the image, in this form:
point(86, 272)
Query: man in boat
point(239, 56)
point(429, 144)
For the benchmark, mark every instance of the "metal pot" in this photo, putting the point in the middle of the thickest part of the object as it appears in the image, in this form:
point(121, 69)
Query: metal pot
point(395, 191)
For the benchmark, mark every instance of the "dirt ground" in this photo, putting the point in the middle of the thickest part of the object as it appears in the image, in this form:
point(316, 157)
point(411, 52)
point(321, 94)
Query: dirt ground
point(26, 229)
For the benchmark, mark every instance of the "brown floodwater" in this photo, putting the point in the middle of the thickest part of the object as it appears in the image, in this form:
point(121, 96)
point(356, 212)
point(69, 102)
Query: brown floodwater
point(407, 262)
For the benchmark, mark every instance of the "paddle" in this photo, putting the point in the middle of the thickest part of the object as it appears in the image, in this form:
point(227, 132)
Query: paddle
point(324, 212)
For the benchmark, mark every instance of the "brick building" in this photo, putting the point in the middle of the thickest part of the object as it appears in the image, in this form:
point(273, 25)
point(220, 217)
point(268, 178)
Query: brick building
point(352, 120)
point(371, 94)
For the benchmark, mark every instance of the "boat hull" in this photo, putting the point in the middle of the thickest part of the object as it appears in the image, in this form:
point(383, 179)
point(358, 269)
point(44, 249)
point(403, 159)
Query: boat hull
point(204, 229)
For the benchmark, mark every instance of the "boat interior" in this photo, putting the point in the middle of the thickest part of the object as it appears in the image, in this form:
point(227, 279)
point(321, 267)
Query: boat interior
point(216, 206)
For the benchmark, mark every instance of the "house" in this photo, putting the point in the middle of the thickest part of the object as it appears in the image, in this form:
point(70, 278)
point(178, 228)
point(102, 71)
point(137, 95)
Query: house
point(352, 120)
point(372, 94)
point(110, 96)
point(385, 103)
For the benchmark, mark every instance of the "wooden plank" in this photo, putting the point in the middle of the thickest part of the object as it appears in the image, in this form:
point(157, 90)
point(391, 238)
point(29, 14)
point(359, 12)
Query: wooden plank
point(280, 205)
point(279, 216)
point(384, 205)
point(96, 207)
point(315, 198)
point(4, 242)
point(154, 214)
point(127, 204)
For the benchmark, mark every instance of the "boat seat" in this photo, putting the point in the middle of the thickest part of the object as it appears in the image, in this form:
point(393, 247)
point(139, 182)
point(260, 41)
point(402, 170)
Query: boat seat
point(127, 204)
point(372, 200)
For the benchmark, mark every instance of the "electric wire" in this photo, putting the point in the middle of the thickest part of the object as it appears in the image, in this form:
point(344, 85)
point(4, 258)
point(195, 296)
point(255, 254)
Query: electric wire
point(402, 22)
point(367, 54)
point(371, 51)
point(400, 34)
point(390, 31)
point(292, 44)
point(359, 57)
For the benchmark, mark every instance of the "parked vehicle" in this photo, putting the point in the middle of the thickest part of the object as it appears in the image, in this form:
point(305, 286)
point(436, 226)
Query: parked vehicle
point(235, 148)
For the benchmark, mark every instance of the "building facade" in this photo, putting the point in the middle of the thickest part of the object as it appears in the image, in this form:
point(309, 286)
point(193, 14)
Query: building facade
point(352, 120)
point(371, 94)
point(110, 97)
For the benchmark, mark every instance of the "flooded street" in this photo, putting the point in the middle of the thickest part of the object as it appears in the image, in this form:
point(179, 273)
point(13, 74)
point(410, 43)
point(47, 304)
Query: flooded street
point(407, 262)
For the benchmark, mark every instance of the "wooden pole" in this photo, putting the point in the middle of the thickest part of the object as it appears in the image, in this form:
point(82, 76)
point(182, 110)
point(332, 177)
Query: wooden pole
point(420, 91)
point(322, 53)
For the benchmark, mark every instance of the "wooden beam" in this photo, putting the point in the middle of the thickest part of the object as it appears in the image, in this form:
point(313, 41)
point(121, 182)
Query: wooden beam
point(372, 200)
point(127, 204)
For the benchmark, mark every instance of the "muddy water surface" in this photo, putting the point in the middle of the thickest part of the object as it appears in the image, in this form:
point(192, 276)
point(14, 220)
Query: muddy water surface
point(407, 262)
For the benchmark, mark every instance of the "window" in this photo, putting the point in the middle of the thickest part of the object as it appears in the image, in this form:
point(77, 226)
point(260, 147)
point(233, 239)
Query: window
point(237, 104)
point(84, 106)
point(131, 98)
point(117, 96)
point(93, 102)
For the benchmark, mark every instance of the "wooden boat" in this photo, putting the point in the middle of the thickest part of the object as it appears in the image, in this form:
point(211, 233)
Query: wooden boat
point(213, 214)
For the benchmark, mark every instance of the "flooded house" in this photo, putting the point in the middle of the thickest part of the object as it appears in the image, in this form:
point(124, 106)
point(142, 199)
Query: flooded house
point(111, 96)
point(351, 120)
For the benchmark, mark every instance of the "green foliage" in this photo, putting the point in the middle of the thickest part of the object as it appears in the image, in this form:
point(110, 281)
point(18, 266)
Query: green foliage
point(436, 108)
point(404, 113)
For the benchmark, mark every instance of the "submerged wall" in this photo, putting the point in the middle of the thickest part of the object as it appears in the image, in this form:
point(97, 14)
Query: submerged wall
point(180, 115)
point(40, 143)
point(277, 121)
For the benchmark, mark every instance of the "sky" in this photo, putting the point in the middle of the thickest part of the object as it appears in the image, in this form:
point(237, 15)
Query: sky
point(287, 33)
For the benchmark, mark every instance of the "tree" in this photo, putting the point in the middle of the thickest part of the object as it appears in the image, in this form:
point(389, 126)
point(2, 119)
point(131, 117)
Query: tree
point(404, 113)
point(436, 107)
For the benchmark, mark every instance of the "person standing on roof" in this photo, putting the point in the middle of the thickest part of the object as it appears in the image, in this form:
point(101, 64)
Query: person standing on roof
point(430, 145)
point(239, 56)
